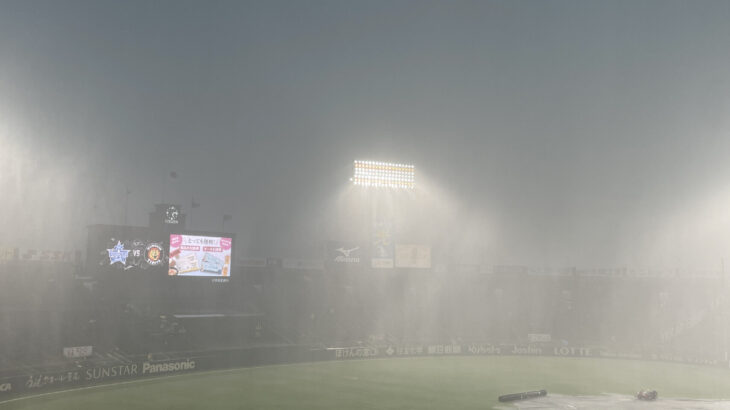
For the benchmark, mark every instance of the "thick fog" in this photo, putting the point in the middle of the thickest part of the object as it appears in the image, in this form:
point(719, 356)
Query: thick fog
point(570, 158)
point(581, 133)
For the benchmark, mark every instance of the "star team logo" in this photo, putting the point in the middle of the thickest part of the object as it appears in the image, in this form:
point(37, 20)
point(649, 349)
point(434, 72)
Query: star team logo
point(118, 254)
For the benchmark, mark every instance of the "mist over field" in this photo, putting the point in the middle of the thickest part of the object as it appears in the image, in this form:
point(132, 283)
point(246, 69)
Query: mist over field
point(181, 177)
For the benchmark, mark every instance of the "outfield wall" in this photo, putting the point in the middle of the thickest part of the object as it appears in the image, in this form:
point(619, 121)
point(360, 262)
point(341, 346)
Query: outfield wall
point(492, 349)
point(90, 374)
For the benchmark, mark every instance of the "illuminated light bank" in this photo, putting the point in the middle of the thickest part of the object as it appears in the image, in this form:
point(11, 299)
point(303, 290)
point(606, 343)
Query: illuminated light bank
point(383, 174)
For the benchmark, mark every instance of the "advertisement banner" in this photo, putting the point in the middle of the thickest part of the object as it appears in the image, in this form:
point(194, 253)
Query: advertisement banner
point(94, 374)
point(77, 351)
point(539, 337)
point(354, 352)
point(302, 264)
point(413, 256)
point(510, 270)
point(6, 387)
point(382, 250)
point(89, 374)
point(8, 254)
point(273, 262)
point(343, 253)
point(495, 349)
point(45, 255)
point(252, 262)
point(192, 255)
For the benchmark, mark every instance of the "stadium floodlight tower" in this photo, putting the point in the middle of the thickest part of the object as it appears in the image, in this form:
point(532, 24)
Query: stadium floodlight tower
point(390, 180)
point(383, 174)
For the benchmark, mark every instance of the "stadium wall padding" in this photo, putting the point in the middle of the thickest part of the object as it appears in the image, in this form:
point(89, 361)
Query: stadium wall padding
point(87, 374)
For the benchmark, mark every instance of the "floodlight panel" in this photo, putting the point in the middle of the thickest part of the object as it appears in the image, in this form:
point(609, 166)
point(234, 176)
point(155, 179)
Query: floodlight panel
point(384, 174)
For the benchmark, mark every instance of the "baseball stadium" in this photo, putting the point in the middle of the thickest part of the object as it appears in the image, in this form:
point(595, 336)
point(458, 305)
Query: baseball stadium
point(403, 204)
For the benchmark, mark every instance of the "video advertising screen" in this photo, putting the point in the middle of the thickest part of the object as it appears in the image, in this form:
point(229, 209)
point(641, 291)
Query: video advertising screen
point(192, 255)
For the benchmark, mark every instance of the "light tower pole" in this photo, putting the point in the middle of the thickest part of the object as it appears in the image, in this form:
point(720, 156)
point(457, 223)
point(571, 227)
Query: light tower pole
point(382, 176)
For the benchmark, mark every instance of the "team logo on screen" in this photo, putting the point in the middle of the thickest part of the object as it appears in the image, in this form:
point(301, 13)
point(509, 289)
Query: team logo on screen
point(118, 254)
point(153, 254)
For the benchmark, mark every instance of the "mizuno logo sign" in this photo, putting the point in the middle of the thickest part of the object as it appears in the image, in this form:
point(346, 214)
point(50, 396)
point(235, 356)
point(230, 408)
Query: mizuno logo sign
point(346, 252)
point(347, 255)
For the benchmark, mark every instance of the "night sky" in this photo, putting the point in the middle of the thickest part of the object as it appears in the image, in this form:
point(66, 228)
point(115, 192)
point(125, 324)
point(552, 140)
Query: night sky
point(584, 132)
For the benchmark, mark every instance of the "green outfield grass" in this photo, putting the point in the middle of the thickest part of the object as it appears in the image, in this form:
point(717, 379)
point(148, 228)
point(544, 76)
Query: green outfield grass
point(423, 383)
